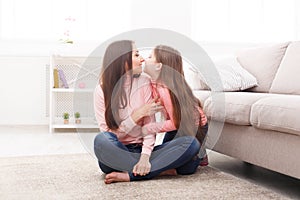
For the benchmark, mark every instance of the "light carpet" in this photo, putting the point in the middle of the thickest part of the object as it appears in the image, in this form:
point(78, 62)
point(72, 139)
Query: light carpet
point(77, 176)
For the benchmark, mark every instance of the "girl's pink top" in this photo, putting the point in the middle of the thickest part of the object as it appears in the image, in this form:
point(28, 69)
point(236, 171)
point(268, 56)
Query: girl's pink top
point(161, 91)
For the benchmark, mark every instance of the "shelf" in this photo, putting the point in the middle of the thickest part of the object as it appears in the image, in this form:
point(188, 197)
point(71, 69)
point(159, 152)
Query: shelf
point(77, 73)
point(72, 125)
point(85, 123)
point(71, 90)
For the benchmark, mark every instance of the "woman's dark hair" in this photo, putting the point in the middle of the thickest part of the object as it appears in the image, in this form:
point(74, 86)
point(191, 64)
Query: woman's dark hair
point(185, 105)
point(117, 61)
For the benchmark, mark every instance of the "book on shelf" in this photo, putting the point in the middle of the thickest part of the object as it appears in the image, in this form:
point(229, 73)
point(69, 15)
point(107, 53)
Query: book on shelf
point(55, 78)
point(62, 77)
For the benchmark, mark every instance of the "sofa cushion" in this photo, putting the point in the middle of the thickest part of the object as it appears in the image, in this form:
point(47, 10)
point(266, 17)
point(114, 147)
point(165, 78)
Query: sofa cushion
point(263, 63)
point(236, 105)
point(194, 78)
point(232, 76)
point(202, 95)
point(277, 112)
point(287, 77)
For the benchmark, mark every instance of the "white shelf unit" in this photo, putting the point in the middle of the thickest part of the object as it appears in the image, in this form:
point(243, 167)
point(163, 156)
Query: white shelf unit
point(82, 76)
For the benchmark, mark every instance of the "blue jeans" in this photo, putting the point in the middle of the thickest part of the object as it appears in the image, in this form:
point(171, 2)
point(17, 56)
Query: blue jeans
point(171, 135)
point(179, 154)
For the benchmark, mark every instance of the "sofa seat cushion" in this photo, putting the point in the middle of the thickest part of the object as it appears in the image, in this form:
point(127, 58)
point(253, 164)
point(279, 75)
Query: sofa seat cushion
point(277, 112)
point(232, 107)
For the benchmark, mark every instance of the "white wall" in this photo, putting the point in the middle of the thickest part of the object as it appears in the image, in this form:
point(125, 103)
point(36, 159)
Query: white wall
point(23, 76)
point(22, 64)
point(23, 96)
point(23, 79)
point(166, 14)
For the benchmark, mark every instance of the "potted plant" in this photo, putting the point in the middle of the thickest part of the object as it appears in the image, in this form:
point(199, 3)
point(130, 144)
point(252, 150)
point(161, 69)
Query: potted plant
point(77, 118)
point(66, 117)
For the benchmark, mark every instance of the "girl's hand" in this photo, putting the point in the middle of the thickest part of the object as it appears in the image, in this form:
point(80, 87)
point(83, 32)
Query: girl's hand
point(143, 167)
point(151, 108)
point(146, 110)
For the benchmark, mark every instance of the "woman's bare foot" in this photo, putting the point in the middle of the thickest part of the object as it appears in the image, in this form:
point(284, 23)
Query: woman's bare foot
point(169, 172)
point(116, 177)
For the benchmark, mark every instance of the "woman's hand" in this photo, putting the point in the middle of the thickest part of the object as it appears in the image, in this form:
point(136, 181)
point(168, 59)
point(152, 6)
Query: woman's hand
point(146, 110)
point(143, 167)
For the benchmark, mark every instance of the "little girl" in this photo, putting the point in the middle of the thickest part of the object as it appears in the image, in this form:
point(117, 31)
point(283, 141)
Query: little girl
point(169, 86)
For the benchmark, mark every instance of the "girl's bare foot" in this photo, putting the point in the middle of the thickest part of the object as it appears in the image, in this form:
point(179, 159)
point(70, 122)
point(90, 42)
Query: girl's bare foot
point(169, 172)
point(116, 177)
point(204, 161)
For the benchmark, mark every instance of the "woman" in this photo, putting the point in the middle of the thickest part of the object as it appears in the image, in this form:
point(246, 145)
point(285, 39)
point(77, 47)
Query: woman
point(165, 68)
point(123, 104)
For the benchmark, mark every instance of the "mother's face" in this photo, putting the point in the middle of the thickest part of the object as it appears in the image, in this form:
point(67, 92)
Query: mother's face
point(137, 61)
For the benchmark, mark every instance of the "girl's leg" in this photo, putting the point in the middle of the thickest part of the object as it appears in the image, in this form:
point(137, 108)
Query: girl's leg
point(190, 167)
point(112, 154)
point(169, 136)
point(202, 154)
point(171, 155)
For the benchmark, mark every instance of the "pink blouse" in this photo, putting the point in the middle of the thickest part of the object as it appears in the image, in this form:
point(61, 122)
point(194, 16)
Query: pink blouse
point(129, 132)
point(168, 124)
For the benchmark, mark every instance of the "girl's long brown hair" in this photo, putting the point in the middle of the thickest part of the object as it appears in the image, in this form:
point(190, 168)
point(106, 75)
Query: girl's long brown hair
point(185, 104)
point(117, 61)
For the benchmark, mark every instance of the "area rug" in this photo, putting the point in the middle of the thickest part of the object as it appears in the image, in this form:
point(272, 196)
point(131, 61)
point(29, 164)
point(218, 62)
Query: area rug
point(77, 177)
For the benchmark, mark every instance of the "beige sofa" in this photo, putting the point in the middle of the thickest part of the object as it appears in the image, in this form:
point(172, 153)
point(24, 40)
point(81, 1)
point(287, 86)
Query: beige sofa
point(261, 124)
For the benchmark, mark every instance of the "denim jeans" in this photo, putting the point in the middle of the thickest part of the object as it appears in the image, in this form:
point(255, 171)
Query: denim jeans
point(179, 154)
point(171, 135)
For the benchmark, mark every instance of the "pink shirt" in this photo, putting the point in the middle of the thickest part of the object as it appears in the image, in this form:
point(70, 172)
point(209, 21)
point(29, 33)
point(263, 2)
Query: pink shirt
point(169, 124)
point(129, 132)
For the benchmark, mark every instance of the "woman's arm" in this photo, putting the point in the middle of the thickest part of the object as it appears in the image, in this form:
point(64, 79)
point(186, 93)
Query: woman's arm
point(147, 111)
point(143, 166)
point(99, 108)
point(127, 124)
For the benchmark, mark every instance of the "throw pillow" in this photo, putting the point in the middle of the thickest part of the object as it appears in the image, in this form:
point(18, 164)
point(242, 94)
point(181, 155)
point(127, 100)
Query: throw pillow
point(233, 76)
point(287, 80)
point(194, 78)
point(263, 63)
